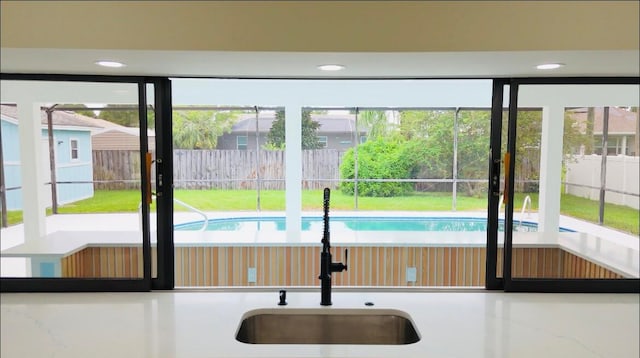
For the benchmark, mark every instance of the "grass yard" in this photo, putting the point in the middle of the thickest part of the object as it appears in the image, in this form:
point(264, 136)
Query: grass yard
point(105, 201)
point(620, 217)
point(241, 200)
point(616, 216)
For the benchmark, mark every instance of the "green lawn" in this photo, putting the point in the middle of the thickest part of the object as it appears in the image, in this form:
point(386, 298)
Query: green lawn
point(619, 217)
point(239, 200)
point(104, 201)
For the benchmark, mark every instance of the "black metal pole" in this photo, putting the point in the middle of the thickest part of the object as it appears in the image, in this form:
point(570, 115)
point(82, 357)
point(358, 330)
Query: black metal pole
point(52, 160)
point(509, 184)
point(258, 183)
point(145, 182)
point(454, 193)
point(492, 282)
point(355, 163)
point(3, 188)
point(164, 186)
point(603, 163)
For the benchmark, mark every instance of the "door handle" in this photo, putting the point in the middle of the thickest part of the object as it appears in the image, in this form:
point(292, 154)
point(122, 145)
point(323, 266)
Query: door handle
point(507, 176)
point(148, 161)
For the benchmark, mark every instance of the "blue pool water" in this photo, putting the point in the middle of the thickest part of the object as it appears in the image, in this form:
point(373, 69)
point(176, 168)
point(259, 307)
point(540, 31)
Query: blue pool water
point(358, 224)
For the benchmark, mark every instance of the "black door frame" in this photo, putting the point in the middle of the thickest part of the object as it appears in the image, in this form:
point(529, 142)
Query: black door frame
point(507, 282)
point(162, 90)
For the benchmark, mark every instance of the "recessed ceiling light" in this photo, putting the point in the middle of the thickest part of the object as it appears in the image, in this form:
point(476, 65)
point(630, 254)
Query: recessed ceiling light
point(549, 66)
point(332, 67)
point(113, 64)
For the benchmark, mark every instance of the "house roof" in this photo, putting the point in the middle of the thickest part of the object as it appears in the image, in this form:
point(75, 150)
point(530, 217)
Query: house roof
point(621, 121)
point(134, 131)
point(329, 123)
point(62, 118)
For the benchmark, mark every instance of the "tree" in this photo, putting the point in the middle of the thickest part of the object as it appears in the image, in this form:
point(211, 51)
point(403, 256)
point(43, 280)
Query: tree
point(276, 135)
point(425, 124)
point(118, 114)
point(432, 133)
point(127, 118)
point(200, 129)
point(529, 144)
point(577, 134)
point(376, 123)
point(473, 150)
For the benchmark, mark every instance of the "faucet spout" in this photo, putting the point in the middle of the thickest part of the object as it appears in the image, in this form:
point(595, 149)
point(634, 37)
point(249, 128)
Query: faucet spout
point(327, 266)
point(326, 241)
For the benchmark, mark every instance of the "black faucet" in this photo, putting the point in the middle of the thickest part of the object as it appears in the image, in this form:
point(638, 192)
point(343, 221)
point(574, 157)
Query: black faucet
point(326, 266)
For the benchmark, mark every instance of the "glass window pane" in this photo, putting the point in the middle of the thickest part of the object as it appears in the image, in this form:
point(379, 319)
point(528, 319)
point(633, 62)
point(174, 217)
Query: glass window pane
point(323, 163)
point(588, 218)
point(81, 202)
point(392, 174)
point(472, 152)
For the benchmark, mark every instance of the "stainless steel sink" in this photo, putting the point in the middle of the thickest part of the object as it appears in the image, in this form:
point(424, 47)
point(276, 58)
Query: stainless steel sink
point(327, 326)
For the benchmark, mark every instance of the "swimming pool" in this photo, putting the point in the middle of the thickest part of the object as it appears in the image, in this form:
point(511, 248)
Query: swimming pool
point(357, 224)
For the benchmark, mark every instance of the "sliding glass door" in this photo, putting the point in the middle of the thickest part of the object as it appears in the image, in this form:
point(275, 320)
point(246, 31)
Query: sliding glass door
point(78, 155)
point(570, 186)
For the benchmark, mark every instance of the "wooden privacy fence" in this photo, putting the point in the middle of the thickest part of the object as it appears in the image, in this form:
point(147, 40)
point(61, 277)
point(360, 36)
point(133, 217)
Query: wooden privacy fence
point(243, 169)
point(116, 169)
point(219, 169)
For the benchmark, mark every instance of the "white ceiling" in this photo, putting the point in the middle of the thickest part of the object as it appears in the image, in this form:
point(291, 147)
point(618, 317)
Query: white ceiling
point(303, 65)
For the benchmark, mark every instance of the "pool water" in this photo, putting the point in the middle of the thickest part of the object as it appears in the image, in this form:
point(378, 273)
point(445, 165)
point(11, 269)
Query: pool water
point(358, 224)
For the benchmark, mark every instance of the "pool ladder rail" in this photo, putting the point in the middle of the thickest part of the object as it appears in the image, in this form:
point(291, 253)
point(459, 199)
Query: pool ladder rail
point(205, 221)
point(525, 203)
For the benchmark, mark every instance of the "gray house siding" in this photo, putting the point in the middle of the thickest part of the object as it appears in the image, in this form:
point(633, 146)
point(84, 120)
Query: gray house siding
point(337, 130)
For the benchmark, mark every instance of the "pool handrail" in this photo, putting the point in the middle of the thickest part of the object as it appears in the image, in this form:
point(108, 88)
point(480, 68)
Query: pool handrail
point(527, 199)
point(205, 222)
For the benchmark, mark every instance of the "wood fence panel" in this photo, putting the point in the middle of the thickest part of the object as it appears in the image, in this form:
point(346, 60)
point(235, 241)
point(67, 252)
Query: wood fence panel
point(238, 169)
point(220, 169)
point(121, 168)
point(242, 169)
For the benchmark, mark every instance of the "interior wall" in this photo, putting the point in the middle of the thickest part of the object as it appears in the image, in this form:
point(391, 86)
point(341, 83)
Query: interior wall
point(324, 26)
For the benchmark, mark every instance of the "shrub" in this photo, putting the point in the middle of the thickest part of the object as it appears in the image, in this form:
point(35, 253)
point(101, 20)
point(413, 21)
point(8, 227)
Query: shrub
point(380, 159)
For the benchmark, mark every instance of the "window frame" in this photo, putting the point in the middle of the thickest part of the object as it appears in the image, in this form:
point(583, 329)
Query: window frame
point(72, 149)
point(246, 144)
point(324, 141)
point(146, 282)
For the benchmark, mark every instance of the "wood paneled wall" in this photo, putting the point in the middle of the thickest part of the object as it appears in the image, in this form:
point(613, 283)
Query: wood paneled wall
point(106, 262)
point(533, 263)
point(577, 267)
point(299, 266)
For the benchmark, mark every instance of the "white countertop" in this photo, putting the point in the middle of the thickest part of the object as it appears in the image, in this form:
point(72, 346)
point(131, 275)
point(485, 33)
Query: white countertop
point(610, 254)
point(195, 324)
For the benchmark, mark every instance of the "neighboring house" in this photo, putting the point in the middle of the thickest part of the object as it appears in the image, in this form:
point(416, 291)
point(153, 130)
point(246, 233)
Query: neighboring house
point(622, 132)
point(120, 138)
point(72, 148)
point(336, 131)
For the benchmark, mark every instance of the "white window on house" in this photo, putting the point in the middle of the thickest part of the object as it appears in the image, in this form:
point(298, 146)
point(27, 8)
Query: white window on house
point(73, 144)
point(323, 140)
point(241, 142)
point(363, 138)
